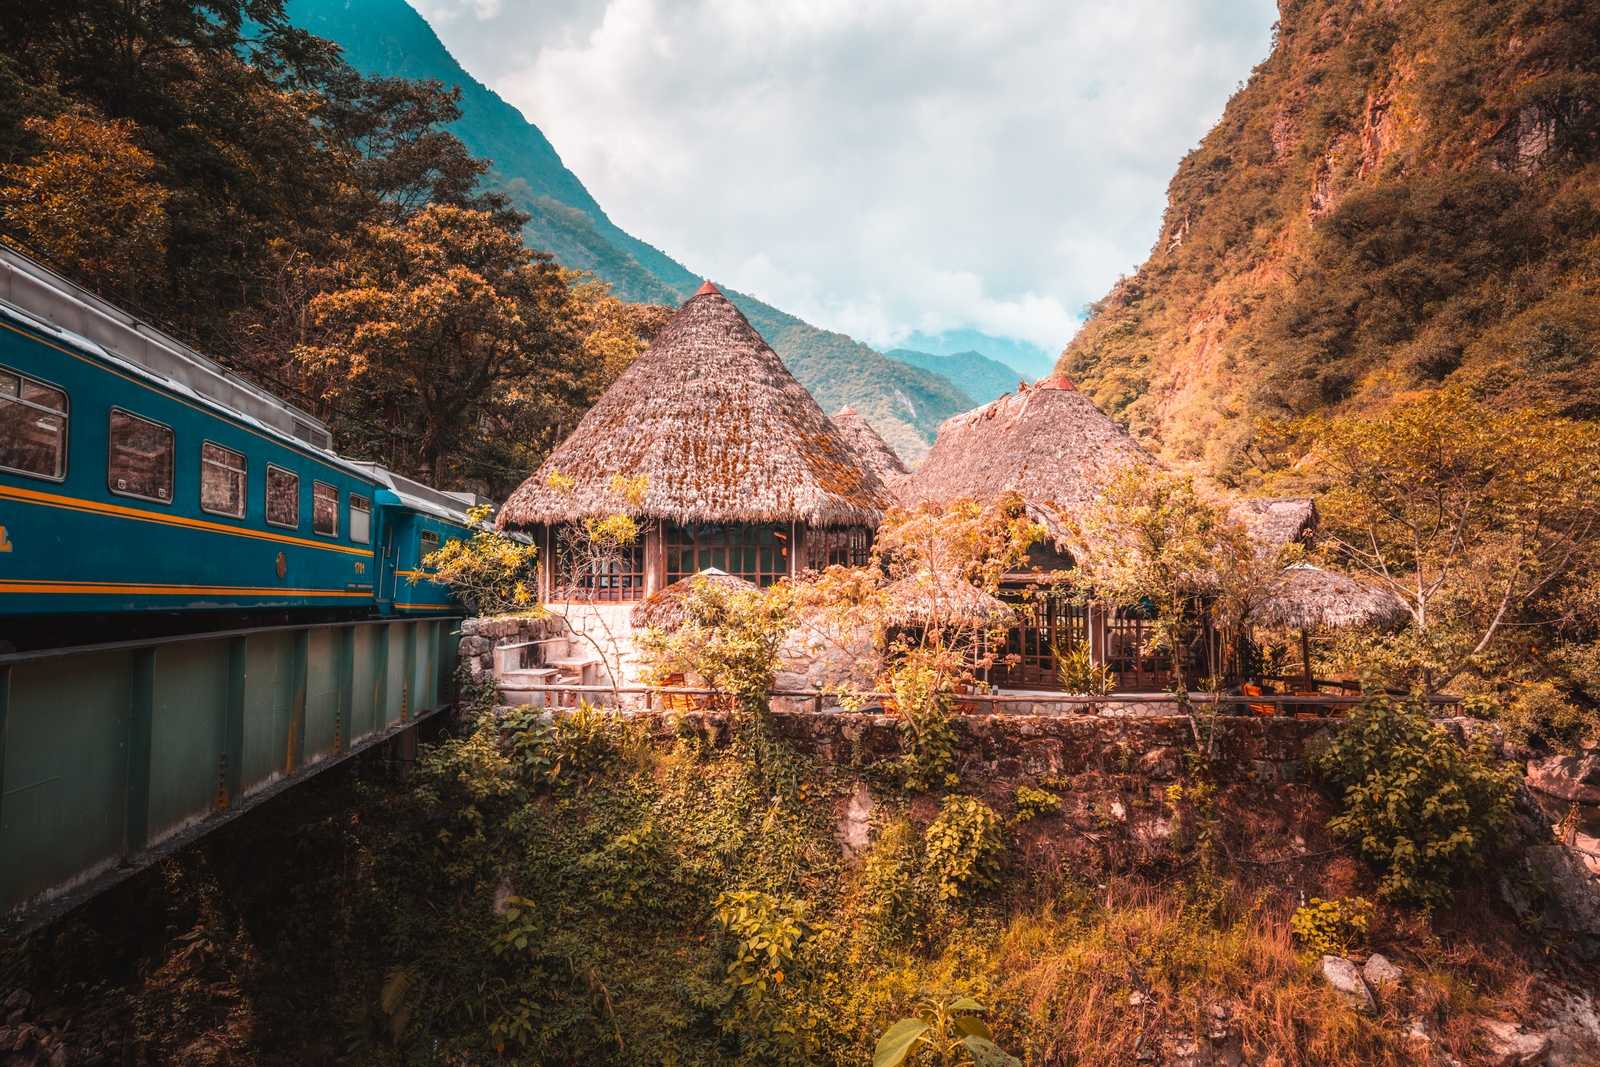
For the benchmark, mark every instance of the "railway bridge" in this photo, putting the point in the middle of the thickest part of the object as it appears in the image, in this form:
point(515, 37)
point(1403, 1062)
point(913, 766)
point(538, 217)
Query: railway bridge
point(113, 756)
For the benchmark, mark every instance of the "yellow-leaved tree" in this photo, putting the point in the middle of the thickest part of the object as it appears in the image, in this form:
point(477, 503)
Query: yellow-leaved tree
point(88, 201)
point(1483, 519)
point(438, 323)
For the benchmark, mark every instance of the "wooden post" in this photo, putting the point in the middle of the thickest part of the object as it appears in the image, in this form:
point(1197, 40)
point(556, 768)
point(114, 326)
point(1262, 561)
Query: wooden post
point(1305, 657)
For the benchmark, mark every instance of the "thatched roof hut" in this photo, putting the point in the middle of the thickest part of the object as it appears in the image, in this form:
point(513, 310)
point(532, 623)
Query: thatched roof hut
point(872, 450)
point(668, 608)
point(1274, 522)
point(1047, 443)
point(721, 429)
point(1305, 597)
point(914, 601)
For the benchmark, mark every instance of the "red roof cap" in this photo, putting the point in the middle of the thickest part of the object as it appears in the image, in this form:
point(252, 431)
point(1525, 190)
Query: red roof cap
point(706, 287)
point(1056, 381)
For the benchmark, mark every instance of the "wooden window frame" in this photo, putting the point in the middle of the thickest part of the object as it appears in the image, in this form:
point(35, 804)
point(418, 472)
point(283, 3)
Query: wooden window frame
point(762, 577)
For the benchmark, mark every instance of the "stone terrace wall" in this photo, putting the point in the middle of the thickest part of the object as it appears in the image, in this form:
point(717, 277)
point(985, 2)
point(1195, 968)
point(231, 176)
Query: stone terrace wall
point(1018, 747)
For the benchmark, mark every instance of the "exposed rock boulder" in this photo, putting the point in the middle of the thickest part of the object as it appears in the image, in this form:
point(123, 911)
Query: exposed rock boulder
point(1379, 972)
point(1345, 978)
point(1573, 778)
point(1509, 1045)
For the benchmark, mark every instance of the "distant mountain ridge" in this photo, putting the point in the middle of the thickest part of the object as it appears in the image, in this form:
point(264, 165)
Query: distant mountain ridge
point(905, 404)
point(981, 378)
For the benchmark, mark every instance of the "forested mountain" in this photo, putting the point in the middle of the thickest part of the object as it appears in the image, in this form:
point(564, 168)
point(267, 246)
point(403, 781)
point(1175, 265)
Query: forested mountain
point(1402, 195)
point(980, 377)
point(388, 38)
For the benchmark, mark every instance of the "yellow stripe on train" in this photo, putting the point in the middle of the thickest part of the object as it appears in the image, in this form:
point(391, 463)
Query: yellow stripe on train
point(73, 503)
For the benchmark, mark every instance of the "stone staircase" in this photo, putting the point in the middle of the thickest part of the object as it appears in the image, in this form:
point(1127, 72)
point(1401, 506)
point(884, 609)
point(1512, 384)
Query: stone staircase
point(565, 659)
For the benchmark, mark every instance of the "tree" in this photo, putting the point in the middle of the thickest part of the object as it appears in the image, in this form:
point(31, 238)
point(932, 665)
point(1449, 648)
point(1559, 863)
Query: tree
point(87, 199)
point(432, 322)
point(1483, 520)
point(1151, 539)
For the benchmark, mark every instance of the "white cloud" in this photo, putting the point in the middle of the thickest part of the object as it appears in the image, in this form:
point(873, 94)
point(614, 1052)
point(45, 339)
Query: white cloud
point(877, 168)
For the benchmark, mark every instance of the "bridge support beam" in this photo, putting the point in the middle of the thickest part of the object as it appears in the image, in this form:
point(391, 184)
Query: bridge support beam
point(114, 755)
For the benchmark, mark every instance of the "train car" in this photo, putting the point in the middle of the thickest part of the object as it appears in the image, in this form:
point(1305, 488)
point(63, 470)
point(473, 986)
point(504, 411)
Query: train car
point(416, 520)
point(140, 479)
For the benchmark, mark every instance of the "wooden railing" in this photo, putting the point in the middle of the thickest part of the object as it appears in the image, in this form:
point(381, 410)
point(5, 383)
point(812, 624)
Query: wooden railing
point(996, 703)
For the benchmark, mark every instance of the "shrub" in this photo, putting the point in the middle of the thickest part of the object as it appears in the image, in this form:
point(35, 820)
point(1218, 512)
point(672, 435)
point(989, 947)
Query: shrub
point(1540, 711)
point(1079, 673)
point(923, 687)
point(490, 572)
point(1331, 927)
point(1414, 803)
point(1032, 803)
point(894, 890)
point(962, 846)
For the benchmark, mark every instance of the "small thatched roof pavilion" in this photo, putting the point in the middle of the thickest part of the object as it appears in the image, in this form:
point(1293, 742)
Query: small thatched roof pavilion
point(668, 608)
point(1047, 443)
point(1305, 597)
point(874, 452)
point(744, 471)
point(1275, 522)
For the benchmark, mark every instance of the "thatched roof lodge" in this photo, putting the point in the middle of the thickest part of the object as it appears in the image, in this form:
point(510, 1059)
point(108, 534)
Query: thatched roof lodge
point(1047, 443)
point(745, 473)
point(872, 450)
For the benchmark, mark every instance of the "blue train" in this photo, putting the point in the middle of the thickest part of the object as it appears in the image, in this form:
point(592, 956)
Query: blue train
point(144, 487)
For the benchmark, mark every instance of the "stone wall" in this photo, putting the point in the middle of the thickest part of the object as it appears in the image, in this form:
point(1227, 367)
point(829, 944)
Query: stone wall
point(1020, 747)
point(480, 636)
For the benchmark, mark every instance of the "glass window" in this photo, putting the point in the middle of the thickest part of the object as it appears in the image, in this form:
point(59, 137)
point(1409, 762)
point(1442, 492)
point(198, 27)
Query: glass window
point(140, 460)
point(283, 497)
point(360, 519)
point(33, 427)
point(758, 554)
point(324, 509)
point(221, 480)
point(582, 573)
point(430, 543)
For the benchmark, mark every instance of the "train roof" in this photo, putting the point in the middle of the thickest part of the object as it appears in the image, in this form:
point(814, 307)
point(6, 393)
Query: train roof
point(417, 496)
point(25, 301)
point(42, 294)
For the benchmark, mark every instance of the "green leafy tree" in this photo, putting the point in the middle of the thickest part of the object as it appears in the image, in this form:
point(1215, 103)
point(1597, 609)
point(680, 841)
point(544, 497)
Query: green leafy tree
point(1415, 803)
point(1153, 539)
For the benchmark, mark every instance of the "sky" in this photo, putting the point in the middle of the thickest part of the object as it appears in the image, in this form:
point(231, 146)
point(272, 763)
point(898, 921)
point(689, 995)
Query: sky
point(897, 171)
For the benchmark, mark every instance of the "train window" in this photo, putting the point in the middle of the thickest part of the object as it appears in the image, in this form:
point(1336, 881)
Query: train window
point(429, 543)
point(222, 473)
point(360, 519)
point(139, 462)
point(283, 497)
point(33, 427)
point(324, 509)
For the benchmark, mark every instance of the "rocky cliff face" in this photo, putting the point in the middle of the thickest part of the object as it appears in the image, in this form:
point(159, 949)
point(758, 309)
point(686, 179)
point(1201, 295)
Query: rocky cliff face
point(1405, 193)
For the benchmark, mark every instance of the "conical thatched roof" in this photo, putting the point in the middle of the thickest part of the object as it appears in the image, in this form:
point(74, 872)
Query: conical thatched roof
point(1047, 442)
point(872, 450)
point(723, 432)
point(1274, 522)
point(1305, 597)
point(667, 608)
